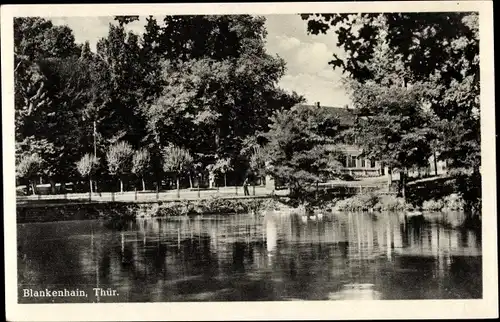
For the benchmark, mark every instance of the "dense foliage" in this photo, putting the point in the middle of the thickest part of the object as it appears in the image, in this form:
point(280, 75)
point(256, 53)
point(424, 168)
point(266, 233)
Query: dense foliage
point(432, 56)
point(203, 83)
point(301, 147)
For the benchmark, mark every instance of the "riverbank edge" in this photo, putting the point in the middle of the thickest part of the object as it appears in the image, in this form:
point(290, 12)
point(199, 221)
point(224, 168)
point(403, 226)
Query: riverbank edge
point(128, 210)
point(118, 210)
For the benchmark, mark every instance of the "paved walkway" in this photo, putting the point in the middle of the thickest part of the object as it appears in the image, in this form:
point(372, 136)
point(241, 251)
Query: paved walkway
point(144, 197)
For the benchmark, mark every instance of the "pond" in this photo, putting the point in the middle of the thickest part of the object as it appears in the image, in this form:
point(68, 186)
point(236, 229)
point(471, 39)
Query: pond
point(341, 256)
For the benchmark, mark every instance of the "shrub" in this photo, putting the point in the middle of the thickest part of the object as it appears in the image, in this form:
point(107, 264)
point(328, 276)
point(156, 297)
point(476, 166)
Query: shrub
point(453, 202)
point(145, 210)
point(433, 205)
point(351, 204)
point(391, 203)
point(179, 209)
point(370, 201)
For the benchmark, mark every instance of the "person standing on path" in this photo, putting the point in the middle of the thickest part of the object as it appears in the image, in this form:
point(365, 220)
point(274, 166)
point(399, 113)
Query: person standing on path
point(245, 187)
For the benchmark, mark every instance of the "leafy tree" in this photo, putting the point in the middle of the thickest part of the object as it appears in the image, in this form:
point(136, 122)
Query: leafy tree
point(223, 166)
point(218, 82)
point(196, 169)
point(140, 165)
point(86, 166)
point(258, 162)
point(30, 96)
point(119, 52)
point(301, 142)
point(63, 124)
point(119, 157)
point(28, 168)
point(50, 89)
point(36, 37)
point(394, 127)
point(35, 40)
point(178, 161)
point(441, 49)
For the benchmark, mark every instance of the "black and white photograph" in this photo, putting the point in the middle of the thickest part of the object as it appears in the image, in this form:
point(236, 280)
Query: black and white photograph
point(243, 157)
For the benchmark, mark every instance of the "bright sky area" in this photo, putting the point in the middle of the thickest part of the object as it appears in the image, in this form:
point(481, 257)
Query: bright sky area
point(306, 56)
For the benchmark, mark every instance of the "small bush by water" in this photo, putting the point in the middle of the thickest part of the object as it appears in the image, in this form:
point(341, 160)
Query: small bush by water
point(432, 205)
point(452, 202)
point(371, 201)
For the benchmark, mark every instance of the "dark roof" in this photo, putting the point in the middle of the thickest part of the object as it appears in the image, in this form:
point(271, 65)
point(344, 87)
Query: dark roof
point(345, 116)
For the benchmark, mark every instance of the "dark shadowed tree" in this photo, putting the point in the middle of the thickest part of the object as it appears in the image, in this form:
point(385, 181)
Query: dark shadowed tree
point(441, 49)
point(301, 147)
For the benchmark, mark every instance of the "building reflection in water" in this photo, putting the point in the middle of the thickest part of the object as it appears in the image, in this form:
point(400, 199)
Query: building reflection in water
point(247, 257)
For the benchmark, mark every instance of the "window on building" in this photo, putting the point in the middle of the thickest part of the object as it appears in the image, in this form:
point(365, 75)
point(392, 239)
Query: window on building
point(351, 162)
point(363, 163)
point(372, 163)
point(344, 161)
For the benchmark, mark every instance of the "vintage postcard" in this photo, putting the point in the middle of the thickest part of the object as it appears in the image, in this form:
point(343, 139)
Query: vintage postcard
point(249, 161)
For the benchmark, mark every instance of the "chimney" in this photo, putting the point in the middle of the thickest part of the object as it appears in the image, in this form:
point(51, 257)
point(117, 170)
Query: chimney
point(317, 104)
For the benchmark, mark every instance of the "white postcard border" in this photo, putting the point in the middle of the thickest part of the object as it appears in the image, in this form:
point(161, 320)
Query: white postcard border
point(307, 310)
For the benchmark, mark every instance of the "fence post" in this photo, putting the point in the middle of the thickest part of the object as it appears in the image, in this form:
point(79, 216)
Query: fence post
point(236, 188)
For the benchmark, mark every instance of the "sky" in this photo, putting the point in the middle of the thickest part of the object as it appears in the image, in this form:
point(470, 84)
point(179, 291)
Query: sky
point(306, 56)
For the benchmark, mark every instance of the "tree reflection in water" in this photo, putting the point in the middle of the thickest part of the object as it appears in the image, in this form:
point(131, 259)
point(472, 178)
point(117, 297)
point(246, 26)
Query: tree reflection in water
point(245, 257)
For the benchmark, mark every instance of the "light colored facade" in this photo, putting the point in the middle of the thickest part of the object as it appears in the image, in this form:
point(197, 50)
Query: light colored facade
point(358, 166)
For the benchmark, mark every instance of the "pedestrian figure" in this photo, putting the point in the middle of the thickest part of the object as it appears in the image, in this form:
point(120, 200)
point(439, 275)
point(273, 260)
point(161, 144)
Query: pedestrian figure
point(245, 187)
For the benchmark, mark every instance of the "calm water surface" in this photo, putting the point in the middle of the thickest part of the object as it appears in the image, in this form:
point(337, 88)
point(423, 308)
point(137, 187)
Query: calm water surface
point(245, 257)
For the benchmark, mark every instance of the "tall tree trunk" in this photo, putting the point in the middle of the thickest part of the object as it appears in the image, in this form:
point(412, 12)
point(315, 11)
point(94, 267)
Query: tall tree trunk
point(190, 181)
point(90, 185)
point(33, 187)
point(435, 163)
point(217, 141)
point(389, 179)
point(94, 135)
point(178, 187)
point(403, 183)
point(143, 184)
point(121, 185)
point(225, 180)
